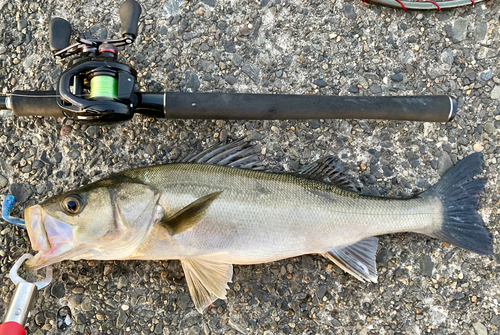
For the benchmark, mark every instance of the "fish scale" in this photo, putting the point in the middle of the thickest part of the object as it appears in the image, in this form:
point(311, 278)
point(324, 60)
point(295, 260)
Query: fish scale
point(303, 216)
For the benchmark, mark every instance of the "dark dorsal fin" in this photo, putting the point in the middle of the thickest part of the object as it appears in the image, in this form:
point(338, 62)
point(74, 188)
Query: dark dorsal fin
point(238, 153)
point(329, 170)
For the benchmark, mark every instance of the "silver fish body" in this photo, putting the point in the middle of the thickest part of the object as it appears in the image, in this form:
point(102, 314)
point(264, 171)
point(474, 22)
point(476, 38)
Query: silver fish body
point(261, 217)
point(221, 211)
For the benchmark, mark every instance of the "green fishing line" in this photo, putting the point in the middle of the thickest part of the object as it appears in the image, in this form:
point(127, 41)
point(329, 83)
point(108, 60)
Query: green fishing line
point(103, 87)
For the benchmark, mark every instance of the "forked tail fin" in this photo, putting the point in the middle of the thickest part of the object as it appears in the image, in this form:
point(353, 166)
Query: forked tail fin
point(458, 191)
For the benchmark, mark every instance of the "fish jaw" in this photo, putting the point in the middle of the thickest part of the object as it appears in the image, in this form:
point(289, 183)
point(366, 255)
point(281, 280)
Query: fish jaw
point(52, 238)
point(36, 231)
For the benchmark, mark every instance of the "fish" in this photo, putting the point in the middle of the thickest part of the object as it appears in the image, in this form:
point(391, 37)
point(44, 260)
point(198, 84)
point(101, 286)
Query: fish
point(221, 207)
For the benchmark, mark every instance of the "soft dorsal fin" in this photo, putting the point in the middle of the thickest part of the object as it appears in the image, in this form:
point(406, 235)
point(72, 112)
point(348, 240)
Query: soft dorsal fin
point(358, 259)
point(239, 153)
point(189, 215)
point(207, 277)
point(329, 170)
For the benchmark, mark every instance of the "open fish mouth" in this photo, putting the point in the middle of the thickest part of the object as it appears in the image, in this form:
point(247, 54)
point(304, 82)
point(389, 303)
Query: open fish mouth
point(52, 238)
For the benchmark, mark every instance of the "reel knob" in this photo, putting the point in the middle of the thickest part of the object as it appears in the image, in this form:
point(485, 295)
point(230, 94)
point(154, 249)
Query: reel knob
point(59, 34)
point(130, 11)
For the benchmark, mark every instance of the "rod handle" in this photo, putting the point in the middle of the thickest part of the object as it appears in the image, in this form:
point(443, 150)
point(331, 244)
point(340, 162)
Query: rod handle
point(34, 103)
point(238, 106)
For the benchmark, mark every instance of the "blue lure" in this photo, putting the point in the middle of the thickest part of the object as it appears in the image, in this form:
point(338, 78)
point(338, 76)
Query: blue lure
point(7, 207)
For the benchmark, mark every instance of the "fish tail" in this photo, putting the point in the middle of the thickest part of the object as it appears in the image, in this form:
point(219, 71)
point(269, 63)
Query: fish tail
point(462, 226)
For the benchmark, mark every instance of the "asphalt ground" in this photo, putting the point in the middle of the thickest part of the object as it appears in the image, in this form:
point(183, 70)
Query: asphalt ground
point(338, 47)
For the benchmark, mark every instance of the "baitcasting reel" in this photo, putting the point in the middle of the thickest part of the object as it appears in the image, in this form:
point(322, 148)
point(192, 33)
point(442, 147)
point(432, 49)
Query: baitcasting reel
point(94, 72)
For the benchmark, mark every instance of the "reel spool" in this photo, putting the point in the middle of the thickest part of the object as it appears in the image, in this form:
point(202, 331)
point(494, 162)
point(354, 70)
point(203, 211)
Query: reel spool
point(103, 81)
point(103, 85)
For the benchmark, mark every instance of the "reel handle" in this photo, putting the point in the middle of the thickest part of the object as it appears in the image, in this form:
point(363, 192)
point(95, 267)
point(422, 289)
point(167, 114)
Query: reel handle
point(130, 11)
point(59, 34)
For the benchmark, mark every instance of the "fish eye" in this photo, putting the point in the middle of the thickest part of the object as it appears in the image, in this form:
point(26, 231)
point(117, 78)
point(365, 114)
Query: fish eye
point(72, 204)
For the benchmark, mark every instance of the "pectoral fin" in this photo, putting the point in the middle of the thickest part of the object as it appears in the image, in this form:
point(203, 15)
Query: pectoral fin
point(207, 278)
point(189, 215)
point(358, 259)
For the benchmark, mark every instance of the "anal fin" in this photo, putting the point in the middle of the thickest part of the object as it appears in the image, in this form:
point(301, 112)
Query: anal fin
point(357, 259)
point(207, 278)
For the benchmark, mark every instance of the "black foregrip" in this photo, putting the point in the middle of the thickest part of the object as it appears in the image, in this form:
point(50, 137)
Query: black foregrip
point(130, 11)
point(281, 107)
point(41, 103)
point(150, 104)
point(59, 34)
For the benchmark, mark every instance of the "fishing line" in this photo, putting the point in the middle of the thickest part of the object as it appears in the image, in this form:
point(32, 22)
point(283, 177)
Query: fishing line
point(103, 86)
point(39, 96)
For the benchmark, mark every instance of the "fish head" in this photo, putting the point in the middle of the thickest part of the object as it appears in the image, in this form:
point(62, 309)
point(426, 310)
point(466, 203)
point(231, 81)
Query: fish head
point(108, 219)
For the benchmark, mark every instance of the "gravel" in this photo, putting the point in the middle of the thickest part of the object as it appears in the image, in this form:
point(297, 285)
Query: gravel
point(276, 47)
point(3, 181)
point(495, 93)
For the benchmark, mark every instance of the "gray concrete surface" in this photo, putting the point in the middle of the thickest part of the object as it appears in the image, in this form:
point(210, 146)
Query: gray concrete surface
point(306, 47)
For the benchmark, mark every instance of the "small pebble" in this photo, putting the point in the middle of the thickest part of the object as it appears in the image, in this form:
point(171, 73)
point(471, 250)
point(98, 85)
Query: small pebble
point(353, 89)
point(244, 31)
point(65, 130)
point(480, 328)
point(478, 147)
point(3, 181)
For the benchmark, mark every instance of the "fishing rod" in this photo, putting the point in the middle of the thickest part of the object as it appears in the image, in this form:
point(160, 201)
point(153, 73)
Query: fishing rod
point(97, 88)
point(424, 4)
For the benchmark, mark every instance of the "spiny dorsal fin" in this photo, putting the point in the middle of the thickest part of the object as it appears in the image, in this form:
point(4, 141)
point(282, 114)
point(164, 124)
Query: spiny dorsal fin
point(330, 170)
point(207, 277)
point(239, 153)
point(358, 259)
point(189, 215)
